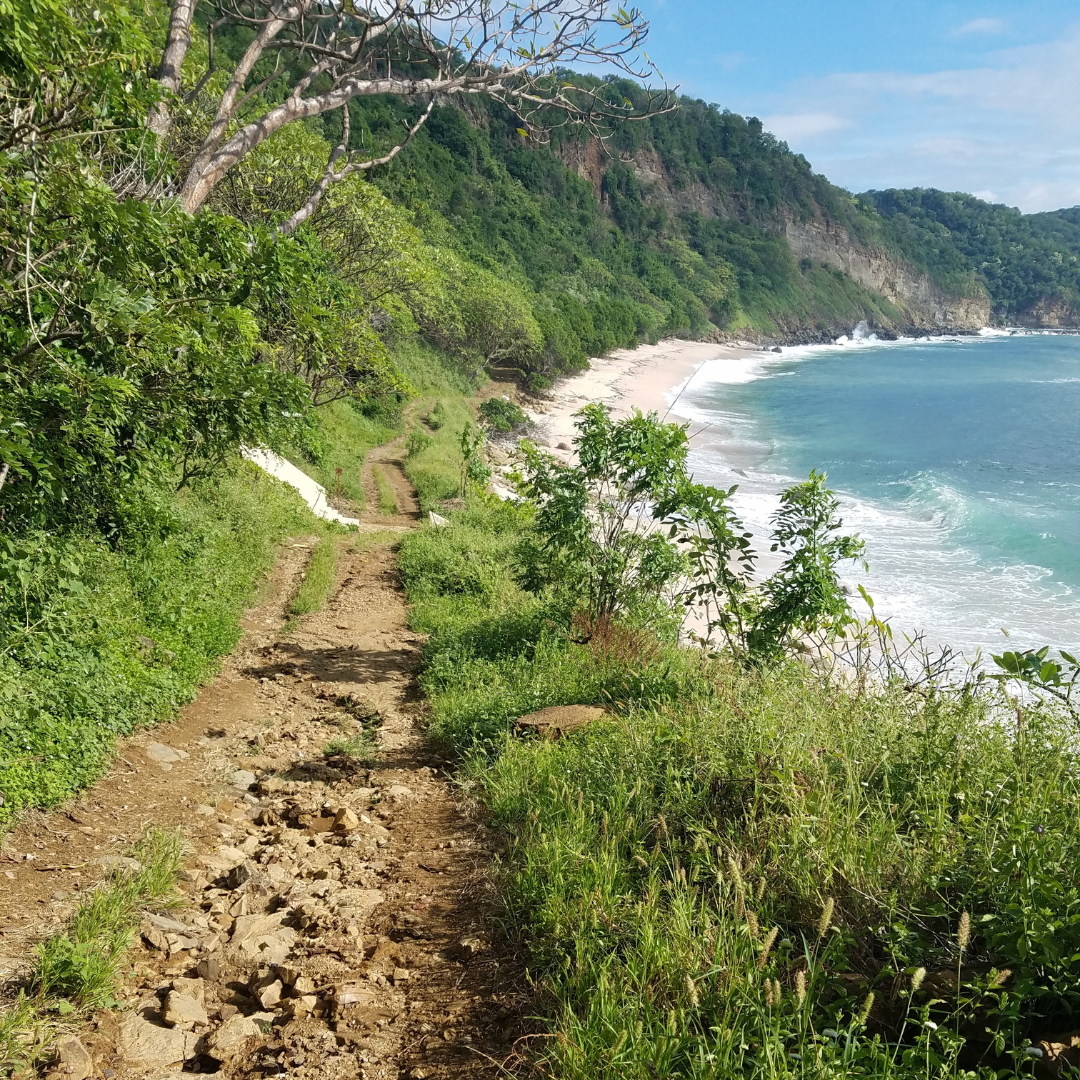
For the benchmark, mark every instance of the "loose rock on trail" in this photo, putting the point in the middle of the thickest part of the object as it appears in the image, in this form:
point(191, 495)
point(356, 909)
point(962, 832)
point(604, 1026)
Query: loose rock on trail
point(335, 920)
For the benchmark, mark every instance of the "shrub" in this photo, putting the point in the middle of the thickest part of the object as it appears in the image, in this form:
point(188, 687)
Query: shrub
point(502, 415)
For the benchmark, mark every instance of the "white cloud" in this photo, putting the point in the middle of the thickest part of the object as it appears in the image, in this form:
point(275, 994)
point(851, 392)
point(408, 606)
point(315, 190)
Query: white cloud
point(732, 61)
point(1009, 125)
point(803, 125)
point(979, 26)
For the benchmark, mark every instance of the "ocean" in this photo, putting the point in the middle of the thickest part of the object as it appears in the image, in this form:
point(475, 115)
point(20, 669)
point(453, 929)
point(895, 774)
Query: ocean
point(956, 459)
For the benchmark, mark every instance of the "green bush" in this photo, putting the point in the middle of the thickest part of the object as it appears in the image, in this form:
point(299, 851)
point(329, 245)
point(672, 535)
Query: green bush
point(502, 415)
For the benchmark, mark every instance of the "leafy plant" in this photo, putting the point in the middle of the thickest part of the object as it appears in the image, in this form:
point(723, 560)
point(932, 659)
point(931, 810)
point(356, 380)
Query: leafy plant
point(627, 531)
point(473, 470)
point(502, 415)
point(1038, 671)
point(417, 442)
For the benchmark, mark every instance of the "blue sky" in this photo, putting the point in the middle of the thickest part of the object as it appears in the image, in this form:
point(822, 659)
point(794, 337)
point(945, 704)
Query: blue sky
point(983, 98)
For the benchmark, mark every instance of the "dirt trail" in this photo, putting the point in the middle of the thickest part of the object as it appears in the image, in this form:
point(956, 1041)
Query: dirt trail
point(336, 914)
point(389, 461)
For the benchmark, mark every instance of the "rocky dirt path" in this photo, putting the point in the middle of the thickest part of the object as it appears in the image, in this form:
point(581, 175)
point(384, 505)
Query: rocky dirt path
point(388, 461)
point(336, 902)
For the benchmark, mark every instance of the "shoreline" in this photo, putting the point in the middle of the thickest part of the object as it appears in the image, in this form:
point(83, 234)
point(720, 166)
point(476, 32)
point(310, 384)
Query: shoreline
point(646, 378)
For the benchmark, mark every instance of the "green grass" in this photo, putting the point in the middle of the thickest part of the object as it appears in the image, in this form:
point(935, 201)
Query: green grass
point(435, 470)
point(430, 370)
point(155, 610)
point(653, 855)
point(361, 747)
point(387, 498)
point(76, 970)
point(341, 436)
point(319, 576)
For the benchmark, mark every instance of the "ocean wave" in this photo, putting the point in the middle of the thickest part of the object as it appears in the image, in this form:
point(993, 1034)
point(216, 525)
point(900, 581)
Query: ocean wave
point(923, 574)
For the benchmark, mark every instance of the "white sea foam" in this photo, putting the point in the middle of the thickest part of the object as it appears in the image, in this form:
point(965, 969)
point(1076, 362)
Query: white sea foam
point(922, 573)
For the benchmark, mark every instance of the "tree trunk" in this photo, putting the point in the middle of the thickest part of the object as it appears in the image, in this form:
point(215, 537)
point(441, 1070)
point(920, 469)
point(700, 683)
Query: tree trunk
point(177, 43)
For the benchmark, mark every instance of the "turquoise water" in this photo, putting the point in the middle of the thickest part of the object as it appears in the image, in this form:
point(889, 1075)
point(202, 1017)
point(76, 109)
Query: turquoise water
point(957, 460)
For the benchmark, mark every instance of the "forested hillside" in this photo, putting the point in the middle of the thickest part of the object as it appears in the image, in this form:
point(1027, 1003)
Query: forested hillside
point(1028, 263)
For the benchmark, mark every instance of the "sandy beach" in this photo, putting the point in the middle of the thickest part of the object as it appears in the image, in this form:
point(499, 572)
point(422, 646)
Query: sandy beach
point(645, 378)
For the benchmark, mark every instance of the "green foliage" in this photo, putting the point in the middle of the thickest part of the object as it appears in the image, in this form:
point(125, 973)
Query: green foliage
point(435, 471)
point(1024, 261)
point(436, 416)
point(608, 532)
point(1036, 670)
point(319, 576)
point(804, 596)
point(361, 748)
point(79, 966)
point(470, 446)
point(502, 415)
point(417, 442)
point(594, 536)
point(751, 870)
point(133, 636)
point(339, 435)
point(387, 498)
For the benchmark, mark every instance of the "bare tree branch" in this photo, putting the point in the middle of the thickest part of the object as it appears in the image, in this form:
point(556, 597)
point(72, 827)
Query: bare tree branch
point(354, 165)
point(177, 43)
point(330, 54)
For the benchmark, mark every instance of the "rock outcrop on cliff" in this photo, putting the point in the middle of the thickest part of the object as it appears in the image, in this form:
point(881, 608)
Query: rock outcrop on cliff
point(920, 303)
point(924, 303)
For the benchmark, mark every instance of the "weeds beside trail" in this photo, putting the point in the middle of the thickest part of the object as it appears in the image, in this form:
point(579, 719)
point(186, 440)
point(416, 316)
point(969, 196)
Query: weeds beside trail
point(318, 580)
point(77, 969)
point(750, 870)
point(101, 636)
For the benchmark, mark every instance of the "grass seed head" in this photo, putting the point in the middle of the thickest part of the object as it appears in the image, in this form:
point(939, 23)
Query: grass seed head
point(766, 947)
point(661, 826)
point(999, 978)
point(800, 987)
point(691, 990)
point(825, 921)
point(963, 931)
point(867, 1005)
point(751, 921)
point(736, 874)
point(917, 977)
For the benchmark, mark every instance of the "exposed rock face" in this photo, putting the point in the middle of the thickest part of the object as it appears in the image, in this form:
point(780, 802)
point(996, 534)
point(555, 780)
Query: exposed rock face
point(914, 293)
point(1050, 312)
point(586, 159)
point(922, 304)
point(648, 167)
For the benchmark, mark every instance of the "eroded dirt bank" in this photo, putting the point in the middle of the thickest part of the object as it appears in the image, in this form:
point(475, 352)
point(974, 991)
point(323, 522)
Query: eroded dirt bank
point(336, 912)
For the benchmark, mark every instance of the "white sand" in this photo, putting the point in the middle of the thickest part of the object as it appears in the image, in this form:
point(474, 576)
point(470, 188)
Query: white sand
point(647, 378)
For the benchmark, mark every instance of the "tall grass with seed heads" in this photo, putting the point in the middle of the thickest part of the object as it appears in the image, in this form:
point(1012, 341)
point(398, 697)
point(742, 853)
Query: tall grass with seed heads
point(753, 871)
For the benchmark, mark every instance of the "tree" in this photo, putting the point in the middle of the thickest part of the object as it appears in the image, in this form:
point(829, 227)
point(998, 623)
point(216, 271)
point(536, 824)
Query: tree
point(628, 532)
point(596, 536)
point(326, 55)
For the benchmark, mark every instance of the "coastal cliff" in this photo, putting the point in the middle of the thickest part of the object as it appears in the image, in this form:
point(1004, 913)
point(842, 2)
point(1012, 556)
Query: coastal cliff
point(886, 290)
point(926, 305)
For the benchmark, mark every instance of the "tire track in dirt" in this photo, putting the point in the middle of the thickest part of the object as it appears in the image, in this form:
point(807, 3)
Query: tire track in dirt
point(336, 919)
